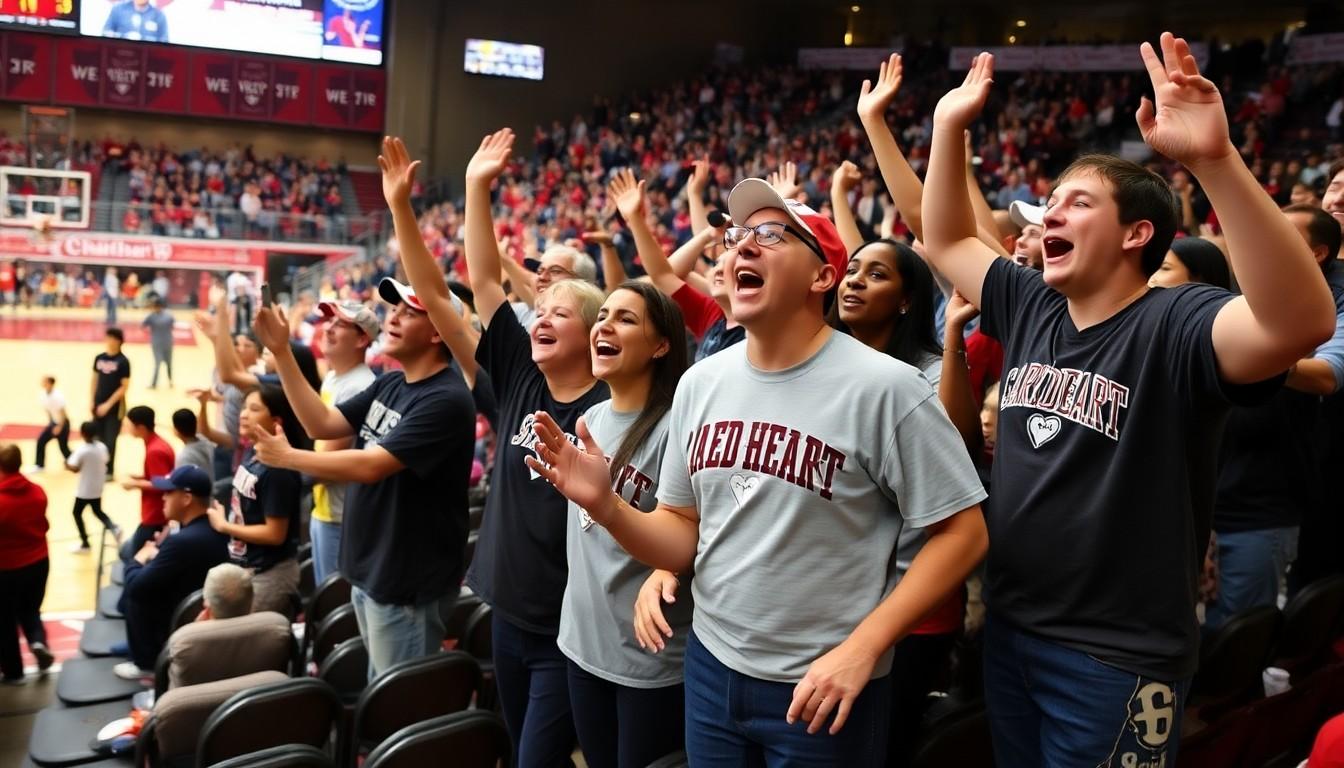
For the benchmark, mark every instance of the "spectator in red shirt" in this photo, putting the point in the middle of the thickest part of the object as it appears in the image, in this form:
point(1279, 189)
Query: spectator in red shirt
point(159, 462)
point(23, 566)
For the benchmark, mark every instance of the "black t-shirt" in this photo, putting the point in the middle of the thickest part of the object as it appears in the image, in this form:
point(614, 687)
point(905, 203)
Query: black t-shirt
point(405, 535)
point(1267, 470)
point(1104, 469)
point(520, 567)
point(111, 370)
point(260, 492)
point(718, 337)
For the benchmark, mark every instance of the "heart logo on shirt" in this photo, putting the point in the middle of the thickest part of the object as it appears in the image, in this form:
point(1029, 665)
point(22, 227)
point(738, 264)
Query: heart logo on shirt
point(743, 487)
point(1042, 429)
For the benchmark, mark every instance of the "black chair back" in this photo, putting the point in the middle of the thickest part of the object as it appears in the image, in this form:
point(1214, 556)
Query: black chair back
point(296, 711)
point(1232, 659)
point(306, 583)
point(1311, 623)
point(455, 622)
point(961, 738)
point(474, 739)
point(287, 756)
point(339, 625)
point(413, 691)
point(187, 610)
point(332, 593)
point(346, 670)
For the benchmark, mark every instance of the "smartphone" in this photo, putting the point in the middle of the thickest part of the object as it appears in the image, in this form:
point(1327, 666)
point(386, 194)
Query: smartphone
point(267, 299)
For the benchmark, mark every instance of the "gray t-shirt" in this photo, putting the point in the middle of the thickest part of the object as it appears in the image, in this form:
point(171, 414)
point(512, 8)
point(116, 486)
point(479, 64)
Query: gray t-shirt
point(598, 611)
point(912, 539)
point(198, 453)
point(160, 326)
point(803, 479)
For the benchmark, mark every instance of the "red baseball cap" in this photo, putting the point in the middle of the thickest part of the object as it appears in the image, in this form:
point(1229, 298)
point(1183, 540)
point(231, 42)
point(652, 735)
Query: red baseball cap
point(752, 195)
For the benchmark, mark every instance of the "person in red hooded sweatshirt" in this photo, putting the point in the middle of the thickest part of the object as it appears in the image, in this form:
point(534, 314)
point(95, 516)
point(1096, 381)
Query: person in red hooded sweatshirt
point(23, 566)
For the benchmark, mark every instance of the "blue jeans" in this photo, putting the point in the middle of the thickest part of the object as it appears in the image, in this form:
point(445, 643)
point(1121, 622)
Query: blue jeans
point(532, 677)
point(397, 633)
point(1251, 568)
point(326, 539)
point(736, 720)
point(624, 727)
point(1053, 706)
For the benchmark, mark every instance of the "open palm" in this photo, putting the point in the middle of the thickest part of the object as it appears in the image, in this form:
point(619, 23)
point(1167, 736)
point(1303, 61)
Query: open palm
point(582, 476)
point(398, 170)
point(875, 99)
point(492, 157)
point(628, 194)
point(1188, 123)
point(961, 105)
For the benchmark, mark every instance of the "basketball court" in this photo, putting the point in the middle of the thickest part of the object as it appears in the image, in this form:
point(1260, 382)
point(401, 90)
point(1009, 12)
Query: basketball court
point(62, 343)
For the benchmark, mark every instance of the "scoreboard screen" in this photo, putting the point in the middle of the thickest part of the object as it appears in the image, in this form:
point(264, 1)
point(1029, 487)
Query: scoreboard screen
point(40, 15)
point(501, 59)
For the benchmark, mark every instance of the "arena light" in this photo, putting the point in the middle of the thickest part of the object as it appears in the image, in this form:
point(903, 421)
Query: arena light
point(854, 9)
point(1012, 39)
point(1021, 23)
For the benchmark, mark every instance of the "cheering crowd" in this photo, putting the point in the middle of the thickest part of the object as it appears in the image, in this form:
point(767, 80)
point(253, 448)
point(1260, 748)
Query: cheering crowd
point(748, 503)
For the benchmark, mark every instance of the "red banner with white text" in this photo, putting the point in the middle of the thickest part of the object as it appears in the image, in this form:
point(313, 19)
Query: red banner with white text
point(136, 77)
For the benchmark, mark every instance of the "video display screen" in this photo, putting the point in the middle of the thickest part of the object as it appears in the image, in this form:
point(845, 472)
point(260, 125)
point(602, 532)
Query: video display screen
point(40, 15)
point(336, 30)
point(501, 59)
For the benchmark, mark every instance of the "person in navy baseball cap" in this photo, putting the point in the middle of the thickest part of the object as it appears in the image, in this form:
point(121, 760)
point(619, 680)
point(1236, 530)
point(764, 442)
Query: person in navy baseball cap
point(187, 477)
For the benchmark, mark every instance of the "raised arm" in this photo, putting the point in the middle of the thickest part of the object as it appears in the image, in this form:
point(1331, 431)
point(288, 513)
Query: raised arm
point(954, 386)
point(630, 201)
point(984, 215)
point(785, 180)
point(518, 276)
point(227, 362)
point(483, 259)
point(684, 258)
point(613, 271)
point(1285, 310)
point(950, 235)
point(695, 194)
point(900, 178)
point(217, 436)
point(321, 421)
point(844, 179)
point(421, 270)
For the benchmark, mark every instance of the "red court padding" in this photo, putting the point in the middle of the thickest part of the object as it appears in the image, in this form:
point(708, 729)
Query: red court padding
point(54, 329)
point(20, 431)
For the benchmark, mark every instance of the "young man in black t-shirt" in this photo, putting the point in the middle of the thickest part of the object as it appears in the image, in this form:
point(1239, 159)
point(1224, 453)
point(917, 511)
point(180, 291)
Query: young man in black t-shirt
point(1110, 406)
point(111, 379)
point(408, 470)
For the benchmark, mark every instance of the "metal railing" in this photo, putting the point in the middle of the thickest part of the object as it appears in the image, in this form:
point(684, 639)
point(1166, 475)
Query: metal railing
point(366, 230)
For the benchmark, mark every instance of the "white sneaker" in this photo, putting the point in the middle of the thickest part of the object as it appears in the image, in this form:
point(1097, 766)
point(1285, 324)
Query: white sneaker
point(32, 469)
point(127, 670)
point(80, 548)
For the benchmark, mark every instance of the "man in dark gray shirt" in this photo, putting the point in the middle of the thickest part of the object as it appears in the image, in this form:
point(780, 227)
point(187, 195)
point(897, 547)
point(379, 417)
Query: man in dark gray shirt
point(160, 325)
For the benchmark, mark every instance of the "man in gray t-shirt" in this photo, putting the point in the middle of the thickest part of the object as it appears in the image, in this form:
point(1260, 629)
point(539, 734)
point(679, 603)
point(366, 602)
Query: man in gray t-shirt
point(793, 463)
point(160, 324)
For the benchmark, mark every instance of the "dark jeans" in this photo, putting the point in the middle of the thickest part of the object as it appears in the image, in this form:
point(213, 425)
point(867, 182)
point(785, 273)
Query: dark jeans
point(109, 427)
point(147, 630)
point(1053, 706)
point(624, 727)
point(164, 356)
point(533, 681)
point(919, 665)
point(62, 437)
point(736, 720)
point(97, 506)
point(21, 593)
point(143, 533)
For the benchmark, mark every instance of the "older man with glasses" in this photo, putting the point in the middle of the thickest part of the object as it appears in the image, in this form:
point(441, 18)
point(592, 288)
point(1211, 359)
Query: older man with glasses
point(558, 262)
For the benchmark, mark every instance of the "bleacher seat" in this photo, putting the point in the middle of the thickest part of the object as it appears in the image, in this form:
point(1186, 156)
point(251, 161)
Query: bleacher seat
point(472, 739)
point(99, 636)
point(295, 711)
point(171, 734)
point(286, 756)
point(338, 626)
point(1311, 622)
point(411, 692)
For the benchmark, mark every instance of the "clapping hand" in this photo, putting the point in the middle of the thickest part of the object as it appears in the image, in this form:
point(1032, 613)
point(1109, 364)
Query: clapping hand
point(582, 476)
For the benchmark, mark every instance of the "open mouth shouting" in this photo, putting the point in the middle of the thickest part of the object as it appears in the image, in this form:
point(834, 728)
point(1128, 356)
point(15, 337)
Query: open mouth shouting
point(748, 280)
point(544, 338)
point(1055, 248)
point(605, 350)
